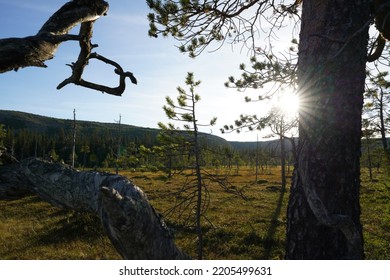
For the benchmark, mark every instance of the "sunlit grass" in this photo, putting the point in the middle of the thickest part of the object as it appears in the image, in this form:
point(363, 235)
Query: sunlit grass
point(375, 200)
point(33, 229)
point(237, 228)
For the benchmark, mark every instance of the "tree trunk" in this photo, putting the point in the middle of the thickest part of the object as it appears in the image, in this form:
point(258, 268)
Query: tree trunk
point(383, 126)
point(324, 211)
point(283, 153)
point(131, 223)
point(369, 157)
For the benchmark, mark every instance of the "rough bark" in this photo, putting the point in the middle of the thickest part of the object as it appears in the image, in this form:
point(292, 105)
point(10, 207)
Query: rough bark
point(324, 210)
point(34, 50)
point(131, 223)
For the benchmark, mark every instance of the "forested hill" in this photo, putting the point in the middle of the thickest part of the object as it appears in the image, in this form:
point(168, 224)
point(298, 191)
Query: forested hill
point(37, 124)
point(19, 121)
point(261, 145)
point(34, 135)
point(97, 143)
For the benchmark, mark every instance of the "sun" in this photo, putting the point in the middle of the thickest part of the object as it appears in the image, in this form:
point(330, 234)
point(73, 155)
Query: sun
point(288, 102)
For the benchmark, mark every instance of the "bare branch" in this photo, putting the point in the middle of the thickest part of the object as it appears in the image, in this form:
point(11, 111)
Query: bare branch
point(34, 50)
point(85, 55)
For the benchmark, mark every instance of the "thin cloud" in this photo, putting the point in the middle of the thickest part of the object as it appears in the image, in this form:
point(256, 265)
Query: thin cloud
point(139, 20)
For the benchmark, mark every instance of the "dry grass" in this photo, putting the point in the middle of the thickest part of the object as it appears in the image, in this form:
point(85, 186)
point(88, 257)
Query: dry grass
point(253, 228)
point(33, 229)
point(375, 201)
point(237, 228)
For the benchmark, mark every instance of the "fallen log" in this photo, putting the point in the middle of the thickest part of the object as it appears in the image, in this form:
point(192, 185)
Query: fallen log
point(135, 229)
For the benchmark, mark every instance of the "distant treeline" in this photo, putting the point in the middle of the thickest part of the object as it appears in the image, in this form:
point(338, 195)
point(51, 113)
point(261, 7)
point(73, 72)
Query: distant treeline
point(104, 148)
point(110, 145)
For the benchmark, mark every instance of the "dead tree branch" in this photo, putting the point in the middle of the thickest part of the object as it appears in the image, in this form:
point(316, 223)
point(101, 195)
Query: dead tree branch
point(35, 50)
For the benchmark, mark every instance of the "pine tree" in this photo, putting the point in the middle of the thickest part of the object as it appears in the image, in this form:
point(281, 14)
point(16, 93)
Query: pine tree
point(329, 72)
point(184, 111)
point(376, 108)
point(2, 137)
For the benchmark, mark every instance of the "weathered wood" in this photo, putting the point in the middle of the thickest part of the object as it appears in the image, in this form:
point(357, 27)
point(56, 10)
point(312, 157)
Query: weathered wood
point(131, 223)
point(16, 53)
point(34, 50)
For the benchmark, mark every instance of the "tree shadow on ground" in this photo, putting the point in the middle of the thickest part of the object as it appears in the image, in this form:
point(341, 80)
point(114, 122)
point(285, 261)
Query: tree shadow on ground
point(270, 241)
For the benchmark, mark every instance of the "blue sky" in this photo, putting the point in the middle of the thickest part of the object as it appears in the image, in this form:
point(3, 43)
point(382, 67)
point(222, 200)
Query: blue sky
point(122, 36)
